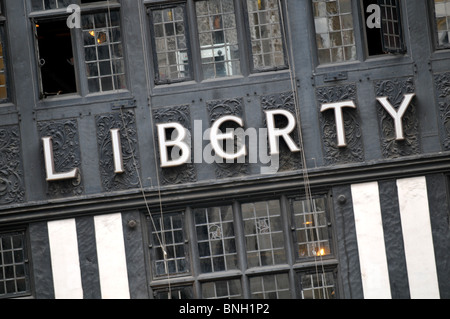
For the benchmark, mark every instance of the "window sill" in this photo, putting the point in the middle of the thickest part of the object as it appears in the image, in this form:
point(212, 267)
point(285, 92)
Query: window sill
point(68, 100)
point(210, 84)
point(381, 61)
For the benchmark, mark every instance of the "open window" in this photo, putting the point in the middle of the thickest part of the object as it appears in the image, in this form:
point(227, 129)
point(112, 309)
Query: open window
point(55, 58)
point(383, 27)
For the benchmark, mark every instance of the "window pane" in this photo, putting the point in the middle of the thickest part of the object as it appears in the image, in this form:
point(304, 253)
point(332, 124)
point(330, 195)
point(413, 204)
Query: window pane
point(334, 31)
point(174, 293)
point(218, 38)
point(103, 51)
point(263, 233)
point(14, 279)
point(171, 44)
point(442, 10)
point(169, 245)
point(311, 227)
point(265, 33)
point(224, 289)
point(270, 287)
point(215, 237)
point(318, 286)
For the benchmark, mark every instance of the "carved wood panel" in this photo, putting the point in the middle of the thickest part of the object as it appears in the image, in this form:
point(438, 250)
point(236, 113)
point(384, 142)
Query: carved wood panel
point(333, 154)
point(185, 173)
point(395, 89)
point(66, 153)
point(12, 188)
point(217, 109)
point(126, 123)
point(442, 84)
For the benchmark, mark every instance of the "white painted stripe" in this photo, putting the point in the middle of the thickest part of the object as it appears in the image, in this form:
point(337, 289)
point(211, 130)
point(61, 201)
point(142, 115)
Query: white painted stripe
point(65, 259)
point(111, 257)
point(417, 236)
point(370, 237)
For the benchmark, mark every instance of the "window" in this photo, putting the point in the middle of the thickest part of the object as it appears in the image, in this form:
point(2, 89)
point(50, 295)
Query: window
point(14, 272)
point(386, 36)
point(4, 95)
point(242, 250)
point(99, 67)
point(335, 36)
point(202, 37)
point(442, 18)
point(335, 25)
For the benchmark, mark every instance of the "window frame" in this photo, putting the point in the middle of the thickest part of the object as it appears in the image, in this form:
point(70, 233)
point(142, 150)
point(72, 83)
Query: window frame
point(292, 267)
point(361, 40)
point(434, 28)
point(81, 78)
point(245, 50)
point(26, 262)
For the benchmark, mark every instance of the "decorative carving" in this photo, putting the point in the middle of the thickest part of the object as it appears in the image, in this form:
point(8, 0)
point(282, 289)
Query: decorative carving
point(442, 83)
point(288, 160)
point(126, 122)
point(217, 109)
point(184, 173)
point(354, 151)
point(12, 189)
point(66, 152)
point(395, 91)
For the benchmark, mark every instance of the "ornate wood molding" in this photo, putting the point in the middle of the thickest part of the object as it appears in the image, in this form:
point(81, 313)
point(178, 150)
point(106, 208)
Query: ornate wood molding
point(126, 122)
point(442, 85)
point(185, 173)
point(12, 188)
point(66, 152)
point(333, 154)
point(395, 89)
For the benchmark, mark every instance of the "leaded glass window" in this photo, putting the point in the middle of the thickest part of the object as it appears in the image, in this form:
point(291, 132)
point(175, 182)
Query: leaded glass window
point(319, 285)
point(170, 42)
point(263, 233)
point(311, 227)
point(215, 238)
point(270, 287)
point(266, 34)
point(222, 289)
point(104, 59)
point(168, 241)
point(217, 33)
point(334, 31)
point(14, 272)
point(442, 11)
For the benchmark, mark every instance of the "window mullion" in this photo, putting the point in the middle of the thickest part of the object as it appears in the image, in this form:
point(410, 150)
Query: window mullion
point(240, 247)
point(196, 62)
point(244, 50)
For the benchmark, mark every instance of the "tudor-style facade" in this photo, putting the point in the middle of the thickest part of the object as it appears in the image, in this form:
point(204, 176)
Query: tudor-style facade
point(359, 208)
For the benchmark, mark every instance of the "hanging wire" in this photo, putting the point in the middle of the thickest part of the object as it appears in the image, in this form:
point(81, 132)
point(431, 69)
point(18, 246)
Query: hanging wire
point(161, 239)
point(307, 185)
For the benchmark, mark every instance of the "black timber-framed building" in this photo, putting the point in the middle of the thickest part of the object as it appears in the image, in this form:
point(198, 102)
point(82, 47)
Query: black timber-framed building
point(367, 219)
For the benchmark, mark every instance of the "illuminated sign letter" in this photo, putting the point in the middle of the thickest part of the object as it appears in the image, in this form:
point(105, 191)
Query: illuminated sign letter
point(178, 142)
point(339, 117)
point(397, 115)
point(215, 136)
point(274, 132)
point(117, 151)
point(50, 165)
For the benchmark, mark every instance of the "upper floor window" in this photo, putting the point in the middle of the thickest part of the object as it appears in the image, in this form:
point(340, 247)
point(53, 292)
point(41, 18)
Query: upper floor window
point(442, 18)
point(63, 69)
point(207, 38)
point(335, 24)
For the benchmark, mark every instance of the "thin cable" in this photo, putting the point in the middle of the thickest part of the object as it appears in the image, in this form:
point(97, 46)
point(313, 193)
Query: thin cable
point(307, 184)
point(147, 79)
